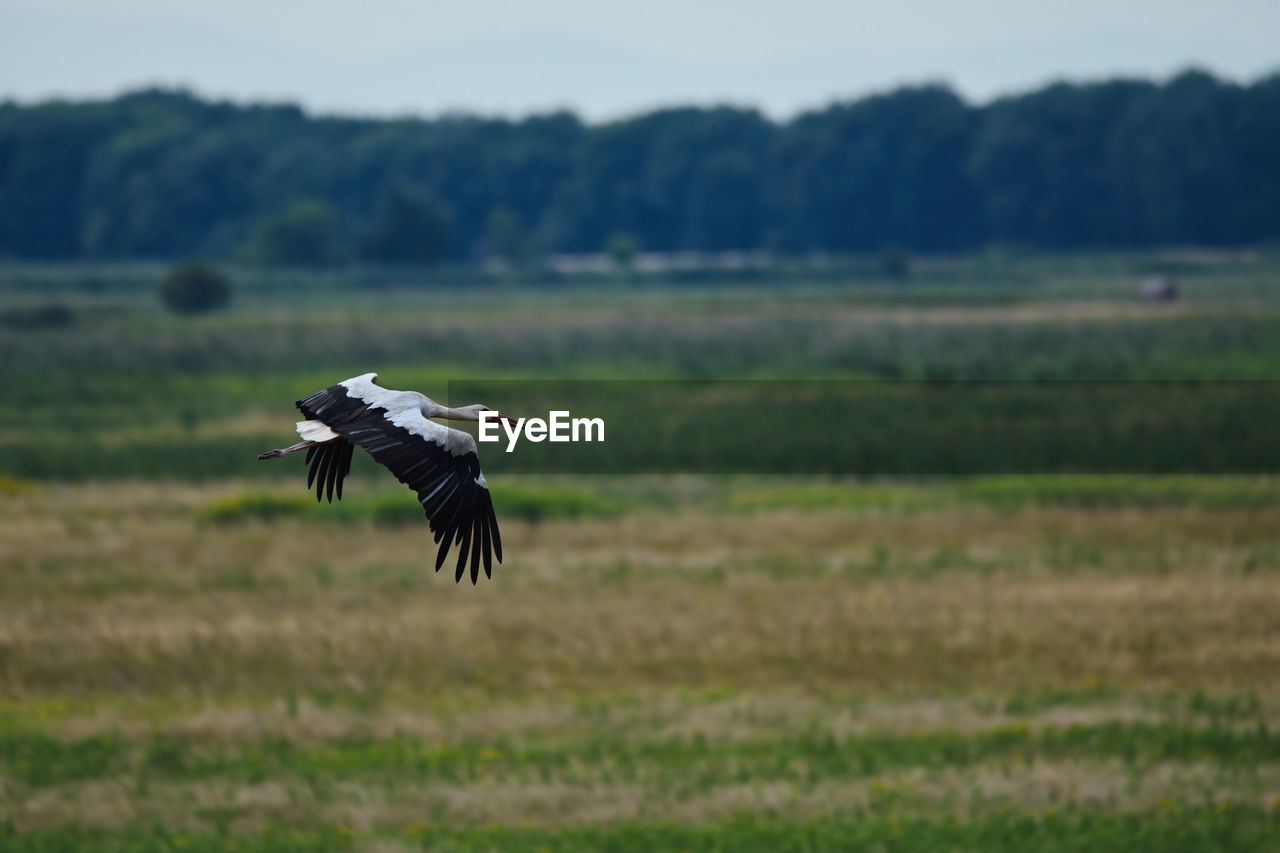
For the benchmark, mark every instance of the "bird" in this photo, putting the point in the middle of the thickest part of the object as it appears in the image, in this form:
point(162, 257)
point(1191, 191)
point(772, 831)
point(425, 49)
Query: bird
point(436, 461)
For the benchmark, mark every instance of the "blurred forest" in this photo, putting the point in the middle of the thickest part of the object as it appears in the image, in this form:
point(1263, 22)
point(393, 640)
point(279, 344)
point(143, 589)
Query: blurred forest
point(1125, 163)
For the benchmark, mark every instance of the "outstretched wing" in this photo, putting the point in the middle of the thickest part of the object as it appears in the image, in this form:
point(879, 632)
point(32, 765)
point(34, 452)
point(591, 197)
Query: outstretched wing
point(439, 463)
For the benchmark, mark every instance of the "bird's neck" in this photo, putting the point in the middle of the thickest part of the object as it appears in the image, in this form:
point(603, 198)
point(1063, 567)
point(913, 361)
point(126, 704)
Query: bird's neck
point(451, 414)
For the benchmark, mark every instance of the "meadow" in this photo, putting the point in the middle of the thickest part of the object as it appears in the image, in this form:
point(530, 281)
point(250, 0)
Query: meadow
point(194, 655)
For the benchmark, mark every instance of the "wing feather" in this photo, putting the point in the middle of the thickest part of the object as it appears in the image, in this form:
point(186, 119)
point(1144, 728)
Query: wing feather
point(486, 548)
point(476, 521)
point(462, 550)
point(347, 450)
point(325, 457)
point(335, 462)
point(493, 528)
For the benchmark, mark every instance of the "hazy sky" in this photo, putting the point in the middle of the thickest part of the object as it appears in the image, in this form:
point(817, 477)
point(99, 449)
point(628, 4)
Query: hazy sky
point(606, 59)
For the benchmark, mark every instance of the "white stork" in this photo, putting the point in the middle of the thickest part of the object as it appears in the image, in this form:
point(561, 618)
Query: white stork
point(437, 462)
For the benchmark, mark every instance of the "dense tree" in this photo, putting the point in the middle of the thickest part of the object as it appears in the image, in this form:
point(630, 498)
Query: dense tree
point(725, 208)
point(302, 235)
point(411, 228)
point(1255, 133)
point(647, 175)
point(45, 152)
point(1174, 165)
point(508, 239)
point(1045, 166)
point(886, 170)
point(164, 174)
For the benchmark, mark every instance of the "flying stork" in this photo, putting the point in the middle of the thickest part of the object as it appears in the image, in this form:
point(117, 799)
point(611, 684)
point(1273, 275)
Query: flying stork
point(437, 462)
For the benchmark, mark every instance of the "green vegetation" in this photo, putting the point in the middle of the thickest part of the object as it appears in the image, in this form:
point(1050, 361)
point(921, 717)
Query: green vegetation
point(684, 765)
point(196, 655)
point(1203, 828)
point(258, 506)
point(528, 502)
point(131, 392)
point(1015, 493)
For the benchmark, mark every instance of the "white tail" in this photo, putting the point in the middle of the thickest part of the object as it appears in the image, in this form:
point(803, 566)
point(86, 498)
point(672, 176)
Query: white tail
point(315, 431)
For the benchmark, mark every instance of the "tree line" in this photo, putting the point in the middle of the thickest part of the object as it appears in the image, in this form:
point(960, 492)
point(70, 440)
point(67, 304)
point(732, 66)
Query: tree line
point(1125, 163)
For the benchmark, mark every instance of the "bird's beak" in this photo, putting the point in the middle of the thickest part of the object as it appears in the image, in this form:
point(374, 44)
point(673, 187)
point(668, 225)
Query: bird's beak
point(506, 420)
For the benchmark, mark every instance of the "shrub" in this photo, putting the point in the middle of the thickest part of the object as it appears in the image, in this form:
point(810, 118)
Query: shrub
point(390, 509)
point(15, 486)
point(536, 503)
point(194, 287)
point(256, 506)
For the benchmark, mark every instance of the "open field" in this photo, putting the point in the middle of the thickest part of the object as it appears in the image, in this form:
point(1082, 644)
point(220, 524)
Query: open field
point(944, 672)
point(130, 392)
point(194, 656)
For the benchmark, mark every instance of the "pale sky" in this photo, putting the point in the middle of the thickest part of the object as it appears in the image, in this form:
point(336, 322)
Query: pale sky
point(608, 59)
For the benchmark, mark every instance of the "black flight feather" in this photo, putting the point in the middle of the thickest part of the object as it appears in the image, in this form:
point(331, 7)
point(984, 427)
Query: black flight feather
point(462, 552)
point(475, 550)
point(323, 467)
point(488, 555)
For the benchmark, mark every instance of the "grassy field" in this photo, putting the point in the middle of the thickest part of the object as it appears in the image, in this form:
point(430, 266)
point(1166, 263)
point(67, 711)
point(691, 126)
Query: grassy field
point(195, 656)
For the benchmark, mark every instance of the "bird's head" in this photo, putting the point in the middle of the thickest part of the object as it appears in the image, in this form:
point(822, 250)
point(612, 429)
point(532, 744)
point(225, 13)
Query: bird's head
point(472, 413)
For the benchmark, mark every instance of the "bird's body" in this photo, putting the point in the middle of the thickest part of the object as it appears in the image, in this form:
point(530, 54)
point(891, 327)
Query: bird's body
point(437, 462)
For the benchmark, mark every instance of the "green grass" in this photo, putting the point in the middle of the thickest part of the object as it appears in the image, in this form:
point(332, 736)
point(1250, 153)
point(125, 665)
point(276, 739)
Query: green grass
point(524, 501)
point(532, 500)
point(1015, 492)
point(1226, 326)
point(131, 392)
point(546, 502)
point(1125, 491)
point(1176, 829)
point(688, 764)
point(868, 428)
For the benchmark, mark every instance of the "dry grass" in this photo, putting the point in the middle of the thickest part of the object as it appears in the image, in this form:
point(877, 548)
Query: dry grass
point(365, 807)
point(645, 717)
point(111, 588)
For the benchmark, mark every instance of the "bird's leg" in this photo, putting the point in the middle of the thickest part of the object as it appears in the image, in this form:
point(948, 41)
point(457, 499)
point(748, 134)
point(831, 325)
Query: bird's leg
point(285, 451)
